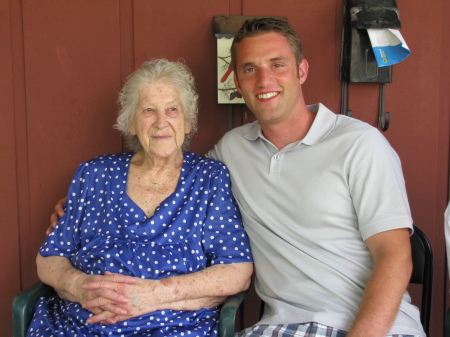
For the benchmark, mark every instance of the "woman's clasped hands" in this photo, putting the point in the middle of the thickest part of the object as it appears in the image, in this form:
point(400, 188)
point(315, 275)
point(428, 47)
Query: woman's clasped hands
point(114, 297)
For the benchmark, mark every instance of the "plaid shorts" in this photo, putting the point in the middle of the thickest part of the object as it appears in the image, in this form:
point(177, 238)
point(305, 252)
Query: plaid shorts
point(311, 329)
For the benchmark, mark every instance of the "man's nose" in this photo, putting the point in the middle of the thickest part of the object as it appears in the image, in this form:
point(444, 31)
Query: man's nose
point(263, 77)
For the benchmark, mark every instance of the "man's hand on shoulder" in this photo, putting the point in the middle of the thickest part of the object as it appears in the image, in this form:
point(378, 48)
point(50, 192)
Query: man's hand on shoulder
point(59, 212)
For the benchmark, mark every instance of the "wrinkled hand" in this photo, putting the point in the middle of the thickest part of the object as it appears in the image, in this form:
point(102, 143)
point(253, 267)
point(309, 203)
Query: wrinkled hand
point(59, 212)
point(117, 301)
point(109, 301)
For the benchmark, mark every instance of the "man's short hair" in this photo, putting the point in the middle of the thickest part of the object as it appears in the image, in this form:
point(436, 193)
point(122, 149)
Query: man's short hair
point(259, 26)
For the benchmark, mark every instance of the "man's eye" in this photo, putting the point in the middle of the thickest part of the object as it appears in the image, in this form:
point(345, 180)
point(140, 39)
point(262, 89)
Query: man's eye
point(249, 70)
point(277, 65)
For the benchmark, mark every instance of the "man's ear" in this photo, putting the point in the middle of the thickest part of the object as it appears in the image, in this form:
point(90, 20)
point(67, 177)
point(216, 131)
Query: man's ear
point(303, 70)
point(236, 83)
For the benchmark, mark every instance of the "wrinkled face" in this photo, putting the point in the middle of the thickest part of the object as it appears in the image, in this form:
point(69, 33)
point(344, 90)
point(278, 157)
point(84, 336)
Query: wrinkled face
point(159, 121)
point(268, 77)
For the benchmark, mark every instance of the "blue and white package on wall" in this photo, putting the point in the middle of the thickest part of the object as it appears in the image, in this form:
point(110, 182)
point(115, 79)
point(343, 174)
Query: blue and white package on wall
point(388, 46)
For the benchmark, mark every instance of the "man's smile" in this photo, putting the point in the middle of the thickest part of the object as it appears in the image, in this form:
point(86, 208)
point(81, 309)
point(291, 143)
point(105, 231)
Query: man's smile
point(267, 95)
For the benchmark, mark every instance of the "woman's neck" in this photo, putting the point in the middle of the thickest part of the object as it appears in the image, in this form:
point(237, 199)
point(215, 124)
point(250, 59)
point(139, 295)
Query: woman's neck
point(152, 180)
point(157, 164)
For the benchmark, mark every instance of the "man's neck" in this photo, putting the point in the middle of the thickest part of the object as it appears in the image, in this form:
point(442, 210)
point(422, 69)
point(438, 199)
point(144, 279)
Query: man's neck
point(288, 132)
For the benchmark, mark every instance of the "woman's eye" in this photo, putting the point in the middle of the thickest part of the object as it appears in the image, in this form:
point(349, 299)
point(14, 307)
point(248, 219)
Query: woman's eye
point(172, 112)
point(148, 109)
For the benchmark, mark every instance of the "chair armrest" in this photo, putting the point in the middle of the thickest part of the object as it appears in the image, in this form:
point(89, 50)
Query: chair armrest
point(228, 314)
point(24, 305)
point(447, 323)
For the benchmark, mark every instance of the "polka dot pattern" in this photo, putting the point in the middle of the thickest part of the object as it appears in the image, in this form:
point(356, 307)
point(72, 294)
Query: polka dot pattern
point(104, 230)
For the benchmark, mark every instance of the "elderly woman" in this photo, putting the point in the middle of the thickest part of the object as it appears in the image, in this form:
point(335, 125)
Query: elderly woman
point(152, 241)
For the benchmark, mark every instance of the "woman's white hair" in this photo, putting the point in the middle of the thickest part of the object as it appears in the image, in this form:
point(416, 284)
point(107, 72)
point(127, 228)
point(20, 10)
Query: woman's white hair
point(175, 73)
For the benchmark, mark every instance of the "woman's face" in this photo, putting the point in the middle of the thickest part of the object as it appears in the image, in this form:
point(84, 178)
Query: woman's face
point(159, 121)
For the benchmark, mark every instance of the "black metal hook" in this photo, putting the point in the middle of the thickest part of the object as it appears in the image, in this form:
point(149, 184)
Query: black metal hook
point(383, 118)
point(344, 110)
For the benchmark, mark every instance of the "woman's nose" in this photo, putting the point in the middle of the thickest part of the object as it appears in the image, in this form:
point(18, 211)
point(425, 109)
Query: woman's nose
point(160, 119)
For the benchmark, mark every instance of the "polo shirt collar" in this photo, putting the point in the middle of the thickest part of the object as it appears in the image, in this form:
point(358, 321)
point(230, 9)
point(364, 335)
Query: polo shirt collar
point(323, 124)
point(254, 132)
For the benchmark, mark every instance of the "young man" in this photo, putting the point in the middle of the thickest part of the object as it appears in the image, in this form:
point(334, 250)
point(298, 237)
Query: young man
point(323, 201)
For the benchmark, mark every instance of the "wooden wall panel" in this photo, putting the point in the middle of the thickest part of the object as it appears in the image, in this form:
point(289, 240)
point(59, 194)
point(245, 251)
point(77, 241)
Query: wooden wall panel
point(72, 71)
point(62, 63)
point(187, 33)
point(443, 158)
point(9, 248)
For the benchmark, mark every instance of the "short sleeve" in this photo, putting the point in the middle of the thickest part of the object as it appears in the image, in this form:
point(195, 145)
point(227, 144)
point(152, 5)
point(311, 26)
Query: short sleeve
point(65, 239)
point(224, 238)
point(377, 185)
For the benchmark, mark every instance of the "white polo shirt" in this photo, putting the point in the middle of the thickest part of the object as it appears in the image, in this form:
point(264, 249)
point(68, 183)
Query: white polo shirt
point(308, 209)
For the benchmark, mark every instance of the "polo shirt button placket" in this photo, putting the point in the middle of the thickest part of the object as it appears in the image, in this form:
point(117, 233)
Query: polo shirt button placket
point(275, 165)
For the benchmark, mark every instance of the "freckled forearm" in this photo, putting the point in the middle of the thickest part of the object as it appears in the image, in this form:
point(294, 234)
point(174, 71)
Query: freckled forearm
point(211, 285)
point(58, 272)
point(197, 304)
point(204, 289)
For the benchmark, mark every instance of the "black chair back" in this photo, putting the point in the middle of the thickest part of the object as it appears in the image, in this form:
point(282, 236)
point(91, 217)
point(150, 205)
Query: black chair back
point(422, 256)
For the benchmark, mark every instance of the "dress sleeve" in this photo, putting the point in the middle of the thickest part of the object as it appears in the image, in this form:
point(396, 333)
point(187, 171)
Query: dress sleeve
point(65, 239)
point(224, 238)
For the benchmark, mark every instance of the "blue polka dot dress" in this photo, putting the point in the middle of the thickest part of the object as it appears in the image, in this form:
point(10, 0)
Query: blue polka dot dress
point(104, 230)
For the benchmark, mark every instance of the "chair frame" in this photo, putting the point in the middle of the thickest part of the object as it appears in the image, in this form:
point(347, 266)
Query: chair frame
point(422, 256)
point(24, 305)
